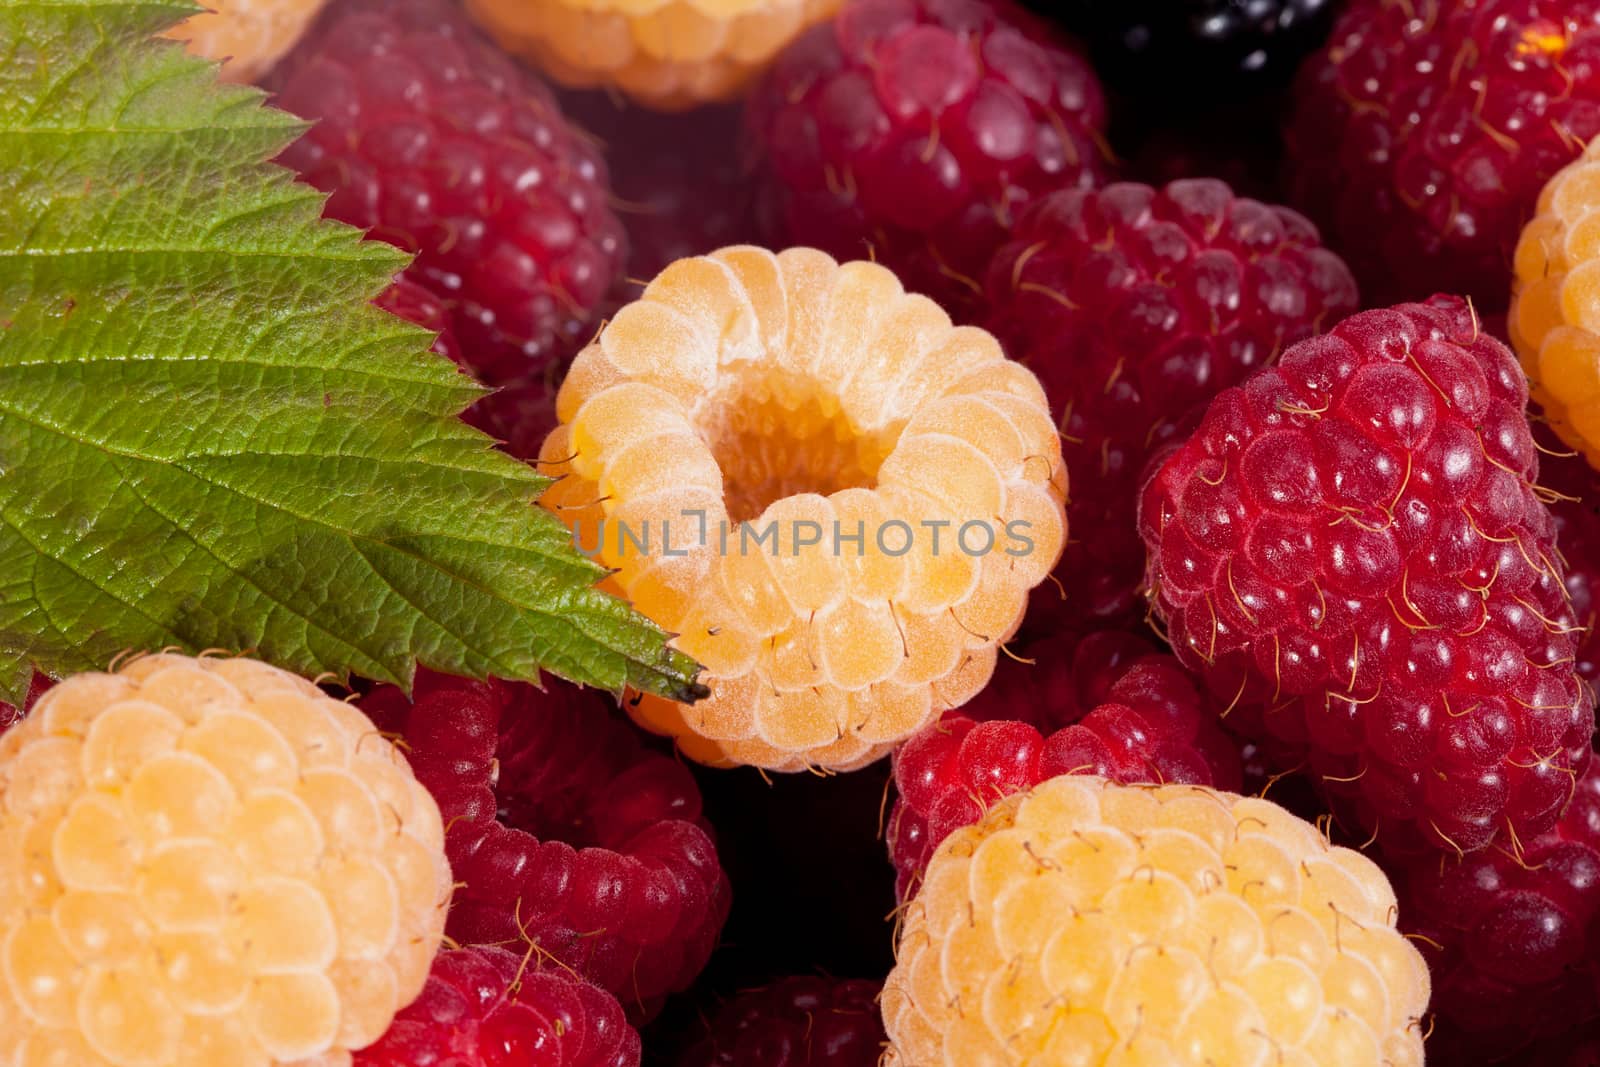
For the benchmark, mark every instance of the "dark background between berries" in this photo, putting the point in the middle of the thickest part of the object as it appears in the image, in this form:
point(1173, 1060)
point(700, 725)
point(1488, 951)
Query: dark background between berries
point(813, 888)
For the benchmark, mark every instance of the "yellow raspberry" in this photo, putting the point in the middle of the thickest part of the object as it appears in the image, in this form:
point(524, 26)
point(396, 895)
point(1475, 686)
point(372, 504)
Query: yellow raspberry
point(251, 35)
point(1555, 308)
point(793, 393)
point(667, 54)
point(1085, 922)
point(208, 863)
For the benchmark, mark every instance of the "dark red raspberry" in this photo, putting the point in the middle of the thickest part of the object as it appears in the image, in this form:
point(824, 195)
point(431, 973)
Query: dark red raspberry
point(1512, 940)
point(415, 304)
point(517, 415)
point(917, 131)
point(1135, 306)
point(1422, 134)
point(679, 184)
point(486, 1007)
point(563, 829)
point(1118, 709)
point(1351, 549)
point(437, 142)
point(795, 1022)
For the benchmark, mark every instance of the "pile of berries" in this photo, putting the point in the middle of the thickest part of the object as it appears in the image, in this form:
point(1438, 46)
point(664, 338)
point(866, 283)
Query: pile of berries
point(1059, 524)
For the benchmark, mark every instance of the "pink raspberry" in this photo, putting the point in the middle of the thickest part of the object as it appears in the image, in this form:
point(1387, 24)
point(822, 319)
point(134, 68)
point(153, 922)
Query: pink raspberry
point(486, 1007)
point(1117, 709)
point(564, 830)
point(1134, 306)
point(439, 143)
point(1424, 130)
point(795, 1022)
point(1510, 936)
point(1351, 550)
point(919, 130)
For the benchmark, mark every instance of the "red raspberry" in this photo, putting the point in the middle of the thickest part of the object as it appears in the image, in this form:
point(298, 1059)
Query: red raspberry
point(564, 830)
point(680, 189)
point(1422, 133)
point(1351, 549)
point(1510, 938)
point(1134, 306)
point(484, 1007)
point(920, 129)
point(1118, 709)
point(440, 144)
point(795, 1022)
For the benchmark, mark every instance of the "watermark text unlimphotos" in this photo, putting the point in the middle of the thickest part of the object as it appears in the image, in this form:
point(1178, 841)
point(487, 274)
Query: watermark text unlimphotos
point(692, 531)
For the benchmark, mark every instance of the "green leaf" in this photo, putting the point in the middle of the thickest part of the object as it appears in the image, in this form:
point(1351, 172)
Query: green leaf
point(208, 436)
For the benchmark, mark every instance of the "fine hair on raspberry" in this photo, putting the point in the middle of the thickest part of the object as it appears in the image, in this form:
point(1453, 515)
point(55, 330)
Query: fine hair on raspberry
point(485, 1006)
point(1353, 550)
point(564, 831)
point(1135, 305)
point(1107, 705)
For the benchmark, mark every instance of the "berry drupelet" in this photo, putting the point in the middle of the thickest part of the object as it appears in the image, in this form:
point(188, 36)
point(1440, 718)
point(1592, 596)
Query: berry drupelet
point(564, 831)
point(917, 130)
point(1088, 922)
point(487, 1007)
point(783, 391)
point(1134, 306)
point(1421, 135)
point(1509, 934)
point(1351, 549)
point(1114, 707)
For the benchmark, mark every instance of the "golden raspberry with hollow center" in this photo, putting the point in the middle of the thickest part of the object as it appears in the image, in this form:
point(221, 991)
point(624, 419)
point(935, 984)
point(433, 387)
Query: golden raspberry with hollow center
point(668, 54)
point(208, 863)
point(251, 35)
point(1085, 923)
point(846, 499)
point(1555, 310)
